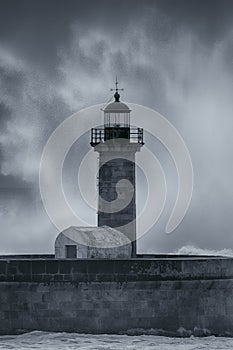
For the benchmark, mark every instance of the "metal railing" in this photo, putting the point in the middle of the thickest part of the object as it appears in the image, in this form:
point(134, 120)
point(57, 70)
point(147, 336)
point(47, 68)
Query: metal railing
point(100, 135)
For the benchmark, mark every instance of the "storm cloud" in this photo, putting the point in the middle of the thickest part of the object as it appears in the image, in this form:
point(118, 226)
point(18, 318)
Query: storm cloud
point(174, 56)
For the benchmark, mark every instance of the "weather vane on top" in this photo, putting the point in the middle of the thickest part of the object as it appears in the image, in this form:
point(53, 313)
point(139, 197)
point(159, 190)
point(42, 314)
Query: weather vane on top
point(117, 95)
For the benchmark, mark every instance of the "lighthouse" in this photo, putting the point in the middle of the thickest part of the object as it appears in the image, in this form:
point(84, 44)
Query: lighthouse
point(117, 143)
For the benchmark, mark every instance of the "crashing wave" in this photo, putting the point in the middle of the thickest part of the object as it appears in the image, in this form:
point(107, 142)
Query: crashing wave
point(191, 250)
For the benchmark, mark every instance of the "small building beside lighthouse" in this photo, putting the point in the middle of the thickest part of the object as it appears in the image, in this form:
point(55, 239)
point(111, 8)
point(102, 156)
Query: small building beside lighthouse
point(92, 243)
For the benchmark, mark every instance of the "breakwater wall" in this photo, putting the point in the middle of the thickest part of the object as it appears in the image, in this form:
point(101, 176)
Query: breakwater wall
point(115, 296)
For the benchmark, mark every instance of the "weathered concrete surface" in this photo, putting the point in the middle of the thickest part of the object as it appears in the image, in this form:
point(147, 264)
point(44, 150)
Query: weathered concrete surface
point(93, 242)
point(112, 296)
point(117, 163)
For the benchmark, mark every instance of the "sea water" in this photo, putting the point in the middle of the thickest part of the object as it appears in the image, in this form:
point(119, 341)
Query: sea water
point(65, 341)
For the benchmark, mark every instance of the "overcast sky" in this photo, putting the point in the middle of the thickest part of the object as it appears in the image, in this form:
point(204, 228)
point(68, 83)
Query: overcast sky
point(175, 56)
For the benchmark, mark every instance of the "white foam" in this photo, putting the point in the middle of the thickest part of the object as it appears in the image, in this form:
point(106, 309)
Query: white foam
point(67, 341)
point(191, 250)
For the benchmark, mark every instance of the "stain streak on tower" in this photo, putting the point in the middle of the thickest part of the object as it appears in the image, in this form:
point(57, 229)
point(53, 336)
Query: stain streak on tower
point(117, 143)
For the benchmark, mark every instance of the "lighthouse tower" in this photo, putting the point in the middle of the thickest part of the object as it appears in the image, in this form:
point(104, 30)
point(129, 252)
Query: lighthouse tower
point(117, 143)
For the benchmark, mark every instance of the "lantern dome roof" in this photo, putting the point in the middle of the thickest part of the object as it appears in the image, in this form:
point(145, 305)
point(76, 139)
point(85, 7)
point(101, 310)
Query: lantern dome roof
point(117, 107)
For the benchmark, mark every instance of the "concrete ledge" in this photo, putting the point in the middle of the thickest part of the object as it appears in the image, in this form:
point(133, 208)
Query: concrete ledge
point(114, 270)
point(26, 256)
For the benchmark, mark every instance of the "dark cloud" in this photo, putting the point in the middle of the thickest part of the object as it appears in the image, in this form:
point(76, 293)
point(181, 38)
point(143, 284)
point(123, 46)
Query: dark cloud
point(37, 29)
point(5, 115)
point(58, 56)
point(210, 18)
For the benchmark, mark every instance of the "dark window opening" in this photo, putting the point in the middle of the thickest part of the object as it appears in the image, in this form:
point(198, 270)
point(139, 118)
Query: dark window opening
point(71, 251)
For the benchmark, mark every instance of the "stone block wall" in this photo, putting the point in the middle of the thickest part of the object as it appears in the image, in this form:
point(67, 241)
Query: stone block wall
point(114, 296)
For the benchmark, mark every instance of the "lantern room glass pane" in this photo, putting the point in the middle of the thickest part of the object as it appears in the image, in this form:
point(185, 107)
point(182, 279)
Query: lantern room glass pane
point(117, 119)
